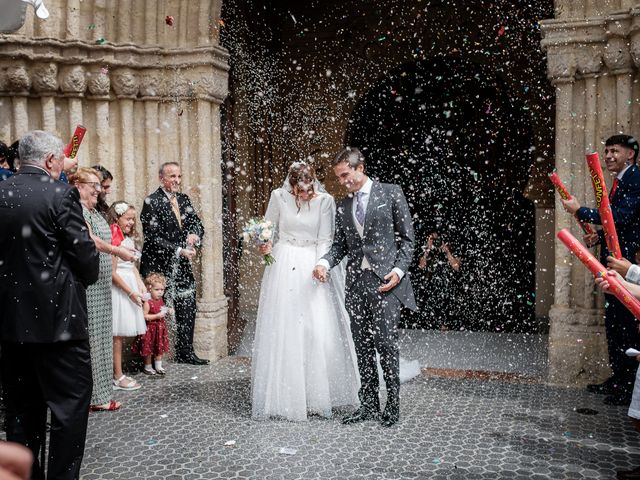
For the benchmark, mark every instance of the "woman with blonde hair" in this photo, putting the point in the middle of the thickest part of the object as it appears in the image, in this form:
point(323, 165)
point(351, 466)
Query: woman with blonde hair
point(87, 181)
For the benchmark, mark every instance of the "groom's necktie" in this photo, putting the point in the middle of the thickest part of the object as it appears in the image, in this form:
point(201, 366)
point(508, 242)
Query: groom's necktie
point(359, 208)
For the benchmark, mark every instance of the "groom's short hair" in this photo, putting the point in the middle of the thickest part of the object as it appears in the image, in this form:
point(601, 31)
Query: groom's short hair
point(351, 155)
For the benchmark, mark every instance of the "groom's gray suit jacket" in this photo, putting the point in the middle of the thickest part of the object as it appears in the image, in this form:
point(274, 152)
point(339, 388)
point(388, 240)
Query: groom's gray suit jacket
point(387, 242)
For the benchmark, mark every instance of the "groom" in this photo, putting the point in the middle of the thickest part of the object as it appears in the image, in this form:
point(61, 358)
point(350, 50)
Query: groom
point(374, 229)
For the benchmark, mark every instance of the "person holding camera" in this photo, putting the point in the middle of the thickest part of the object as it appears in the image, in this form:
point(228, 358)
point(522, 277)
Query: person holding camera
point(442, 274)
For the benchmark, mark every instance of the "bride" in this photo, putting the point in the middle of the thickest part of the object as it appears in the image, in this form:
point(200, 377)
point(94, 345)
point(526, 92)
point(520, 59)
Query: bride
point(303, 358)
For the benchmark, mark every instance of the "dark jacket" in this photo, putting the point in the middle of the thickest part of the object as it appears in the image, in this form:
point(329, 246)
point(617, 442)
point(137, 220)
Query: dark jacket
point(163, 235)
point(388, 239)
point(47, 259)
point(625, 206)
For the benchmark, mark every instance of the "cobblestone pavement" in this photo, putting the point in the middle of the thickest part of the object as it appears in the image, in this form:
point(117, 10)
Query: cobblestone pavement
point(176, 428)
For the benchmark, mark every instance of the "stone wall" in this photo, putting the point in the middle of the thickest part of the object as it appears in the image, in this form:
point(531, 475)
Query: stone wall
point(147, 91)
point(593, 53)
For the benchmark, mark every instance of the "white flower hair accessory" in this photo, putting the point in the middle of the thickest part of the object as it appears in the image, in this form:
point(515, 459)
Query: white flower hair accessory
point(121, 208)
point(298, 164)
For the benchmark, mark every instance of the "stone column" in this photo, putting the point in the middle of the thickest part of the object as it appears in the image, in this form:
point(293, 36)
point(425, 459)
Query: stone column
point(125, 85)
point(18, 82)
point(577, 343)
point(211, 320)
point(45, 82)
point(73, 84)
point(151, 144)
point(617, 57)
point(99, 86)
point(544, 259)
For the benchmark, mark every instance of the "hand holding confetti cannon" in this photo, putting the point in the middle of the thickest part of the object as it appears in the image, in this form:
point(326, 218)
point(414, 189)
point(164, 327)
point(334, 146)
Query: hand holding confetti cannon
point(71, 150)
point(602, 203)
point(598, 271)
point(564, 194)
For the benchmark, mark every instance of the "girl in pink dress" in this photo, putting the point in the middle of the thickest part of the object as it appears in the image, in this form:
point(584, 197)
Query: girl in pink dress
point(155, 342)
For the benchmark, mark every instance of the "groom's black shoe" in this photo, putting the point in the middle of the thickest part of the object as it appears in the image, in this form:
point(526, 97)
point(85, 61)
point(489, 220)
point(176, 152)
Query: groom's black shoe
point(360, 415)
point(390, 417)
point(391, 414)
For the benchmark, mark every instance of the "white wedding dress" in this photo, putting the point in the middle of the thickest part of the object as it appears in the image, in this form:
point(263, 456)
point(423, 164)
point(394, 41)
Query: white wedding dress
point(303, 358)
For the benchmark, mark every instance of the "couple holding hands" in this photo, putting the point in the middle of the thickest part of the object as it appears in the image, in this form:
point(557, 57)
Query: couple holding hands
point(317, 340)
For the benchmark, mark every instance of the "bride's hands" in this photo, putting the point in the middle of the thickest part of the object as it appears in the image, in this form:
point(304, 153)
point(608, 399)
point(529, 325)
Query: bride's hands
point(266, 248)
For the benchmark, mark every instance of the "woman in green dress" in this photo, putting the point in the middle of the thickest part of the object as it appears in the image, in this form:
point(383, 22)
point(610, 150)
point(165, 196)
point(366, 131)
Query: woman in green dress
point(87, 181)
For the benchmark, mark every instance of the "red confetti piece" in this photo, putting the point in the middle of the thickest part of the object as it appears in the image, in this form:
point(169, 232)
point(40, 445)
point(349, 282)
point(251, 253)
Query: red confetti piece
point(168, 20)
point(221, 22)
point(501, 31)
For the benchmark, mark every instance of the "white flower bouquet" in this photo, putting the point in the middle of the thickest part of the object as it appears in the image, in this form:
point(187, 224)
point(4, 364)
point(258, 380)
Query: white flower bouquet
point(260, 231)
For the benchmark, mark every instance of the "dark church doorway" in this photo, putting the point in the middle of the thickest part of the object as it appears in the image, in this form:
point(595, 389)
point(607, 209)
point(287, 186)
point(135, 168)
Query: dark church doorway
point(461, 145)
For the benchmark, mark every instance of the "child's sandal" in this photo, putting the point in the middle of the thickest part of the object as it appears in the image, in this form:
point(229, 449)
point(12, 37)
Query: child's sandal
point(125, 383)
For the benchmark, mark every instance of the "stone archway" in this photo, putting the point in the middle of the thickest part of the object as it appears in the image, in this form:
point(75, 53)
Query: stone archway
point(460, 143)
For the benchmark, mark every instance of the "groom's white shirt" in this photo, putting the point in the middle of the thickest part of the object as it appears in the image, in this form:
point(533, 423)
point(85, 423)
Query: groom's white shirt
point(366, 191)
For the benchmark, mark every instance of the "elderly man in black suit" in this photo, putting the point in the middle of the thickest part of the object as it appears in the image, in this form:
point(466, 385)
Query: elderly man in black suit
point(172, 231)
point(47, 259)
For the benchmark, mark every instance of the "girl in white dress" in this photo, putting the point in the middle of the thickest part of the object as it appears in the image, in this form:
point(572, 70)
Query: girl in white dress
point(303, 358)
point(127, 291)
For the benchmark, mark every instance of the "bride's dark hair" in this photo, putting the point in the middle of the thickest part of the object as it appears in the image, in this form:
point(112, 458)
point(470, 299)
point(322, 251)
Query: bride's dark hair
point(301, 173)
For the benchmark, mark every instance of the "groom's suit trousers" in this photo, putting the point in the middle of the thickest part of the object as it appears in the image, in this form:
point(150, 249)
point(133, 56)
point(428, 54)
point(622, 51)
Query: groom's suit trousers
point(374, 321)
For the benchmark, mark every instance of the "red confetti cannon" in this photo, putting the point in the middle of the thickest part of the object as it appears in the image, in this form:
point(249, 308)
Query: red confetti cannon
point(598, 271)
point(564, 194)
point(602, 203)
point(71, 150)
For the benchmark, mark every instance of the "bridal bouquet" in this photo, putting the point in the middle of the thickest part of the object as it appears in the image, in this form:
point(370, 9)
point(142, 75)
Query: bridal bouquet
point(261, 232)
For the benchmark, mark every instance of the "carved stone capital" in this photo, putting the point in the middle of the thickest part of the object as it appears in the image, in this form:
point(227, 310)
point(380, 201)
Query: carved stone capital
point(125, 83)
point(589, 58)
point(216, 86)
point(561, 63)
point(45, 77)
point(573, 46)
point(72, 79)
point(152, 84)
point(99, 83)
point(634, 35)
point(634, 47)
point(17, 79)
point(182, 86)
point(133, 72)
point(617, 55)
